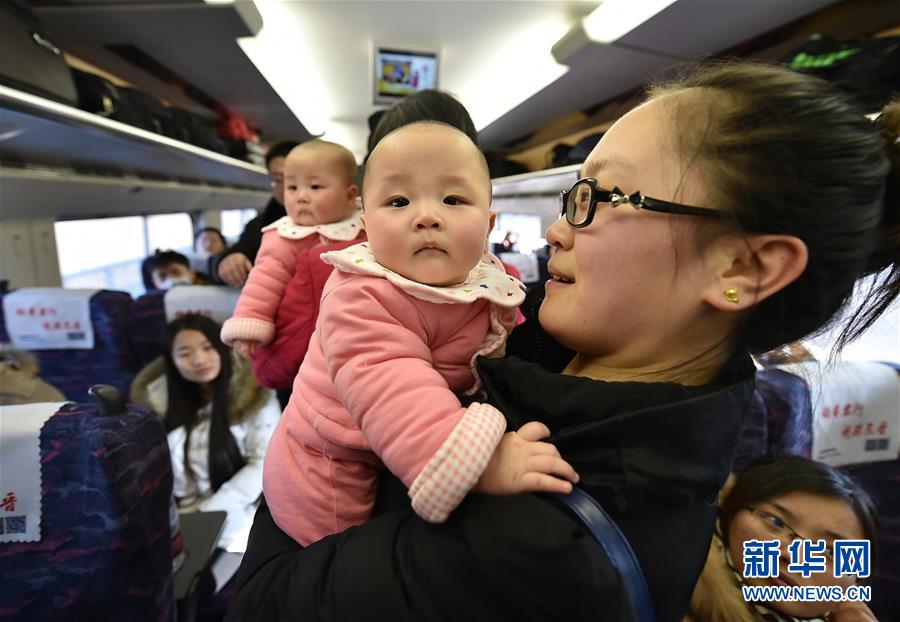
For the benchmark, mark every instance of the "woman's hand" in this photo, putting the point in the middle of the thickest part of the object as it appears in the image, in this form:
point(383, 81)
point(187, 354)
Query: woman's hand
point(852, 612)
point(523, 464)
point(245, 348)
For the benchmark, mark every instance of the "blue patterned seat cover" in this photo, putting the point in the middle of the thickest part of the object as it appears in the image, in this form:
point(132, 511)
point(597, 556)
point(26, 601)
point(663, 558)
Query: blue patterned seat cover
point(111, 361)
point(148, 325)
point(105, 552)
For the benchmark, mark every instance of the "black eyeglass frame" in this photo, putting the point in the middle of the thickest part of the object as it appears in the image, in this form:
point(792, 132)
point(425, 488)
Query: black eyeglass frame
point(616, 197)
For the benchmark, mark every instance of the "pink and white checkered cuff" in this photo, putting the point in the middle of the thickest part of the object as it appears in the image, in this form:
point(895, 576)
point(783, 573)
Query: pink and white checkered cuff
point(248, 328)
point(458, 464)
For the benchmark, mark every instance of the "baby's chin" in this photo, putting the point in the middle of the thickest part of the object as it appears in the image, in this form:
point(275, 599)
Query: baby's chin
point(425, 277)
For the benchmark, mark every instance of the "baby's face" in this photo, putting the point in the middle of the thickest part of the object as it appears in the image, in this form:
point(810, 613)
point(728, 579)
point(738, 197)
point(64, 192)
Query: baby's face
point(316, 191)
point(427, 197)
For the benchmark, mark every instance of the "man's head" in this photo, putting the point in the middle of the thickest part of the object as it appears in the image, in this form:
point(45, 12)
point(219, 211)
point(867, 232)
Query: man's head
point(275, 157)
point(165, 269)
point(319, 183)
point(209, 240)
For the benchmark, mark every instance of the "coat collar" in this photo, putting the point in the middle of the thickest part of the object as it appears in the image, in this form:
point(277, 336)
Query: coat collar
point(632, 443)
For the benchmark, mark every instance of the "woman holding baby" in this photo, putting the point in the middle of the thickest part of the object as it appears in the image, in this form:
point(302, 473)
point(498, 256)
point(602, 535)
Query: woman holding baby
point(717, 218)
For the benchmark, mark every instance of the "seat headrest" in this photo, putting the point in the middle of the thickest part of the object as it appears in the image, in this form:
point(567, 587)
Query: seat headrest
point(213, 301)
point(49, 318)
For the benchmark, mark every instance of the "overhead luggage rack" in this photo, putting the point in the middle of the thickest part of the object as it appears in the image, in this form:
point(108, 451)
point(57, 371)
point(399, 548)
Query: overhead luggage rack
point(35, 130)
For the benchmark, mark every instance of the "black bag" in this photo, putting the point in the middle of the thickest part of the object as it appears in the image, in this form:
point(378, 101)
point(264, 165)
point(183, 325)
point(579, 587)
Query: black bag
point(246, 150)
point(149, 113)
point(196, 130)
point(28, 59)
point(868, 69)
point(102, 97)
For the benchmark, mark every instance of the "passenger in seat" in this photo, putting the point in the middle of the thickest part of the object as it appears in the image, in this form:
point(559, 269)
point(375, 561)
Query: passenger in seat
point(401, 319)
point(218, 419)
point(166, 269)
point(786, 499)
point(209, 241)
point(320, 197)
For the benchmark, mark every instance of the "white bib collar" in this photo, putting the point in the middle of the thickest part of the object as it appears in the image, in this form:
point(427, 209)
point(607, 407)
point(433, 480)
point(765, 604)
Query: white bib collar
point(342, 231)
point(487, 280)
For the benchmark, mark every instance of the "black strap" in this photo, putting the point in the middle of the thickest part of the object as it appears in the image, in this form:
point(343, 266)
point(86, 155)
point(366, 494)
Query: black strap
point(616, 547)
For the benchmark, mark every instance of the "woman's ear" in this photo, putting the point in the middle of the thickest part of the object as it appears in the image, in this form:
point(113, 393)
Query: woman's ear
point(749, 269)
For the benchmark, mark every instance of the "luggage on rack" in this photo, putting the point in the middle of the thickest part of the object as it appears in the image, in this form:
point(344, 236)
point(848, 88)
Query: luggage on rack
point(246, 150)
point(29, 61)
point(101, 97)
point(196, 130)
point(150, 113)
point(868, 69)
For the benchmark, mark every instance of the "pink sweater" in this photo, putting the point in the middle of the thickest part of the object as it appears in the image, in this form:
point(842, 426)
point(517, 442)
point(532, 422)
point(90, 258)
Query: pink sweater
point(254, 315)
point(378, 388)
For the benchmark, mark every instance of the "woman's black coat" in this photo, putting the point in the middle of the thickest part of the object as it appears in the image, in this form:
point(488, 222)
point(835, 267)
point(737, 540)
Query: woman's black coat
point(654, 455)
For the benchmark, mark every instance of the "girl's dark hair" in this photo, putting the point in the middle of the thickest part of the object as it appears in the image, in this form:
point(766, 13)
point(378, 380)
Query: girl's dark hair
point(789, 153)
point(777, 476)
point(186, 398)
point(427, 105)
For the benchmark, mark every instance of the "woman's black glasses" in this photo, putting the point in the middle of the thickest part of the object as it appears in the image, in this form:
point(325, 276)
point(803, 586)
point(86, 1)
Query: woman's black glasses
point(580, 203)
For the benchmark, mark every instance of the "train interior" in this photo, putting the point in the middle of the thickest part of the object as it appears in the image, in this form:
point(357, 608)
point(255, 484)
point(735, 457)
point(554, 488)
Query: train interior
point(140, 123)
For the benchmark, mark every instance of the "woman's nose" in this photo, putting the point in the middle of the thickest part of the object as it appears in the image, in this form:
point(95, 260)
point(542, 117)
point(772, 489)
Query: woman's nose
point(559, 234)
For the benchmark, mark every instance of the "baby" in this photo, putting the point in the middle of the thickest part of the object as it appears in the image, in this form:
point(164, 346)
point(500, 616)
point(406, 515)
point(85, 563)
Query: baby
point(401, 321)
point(320, 198)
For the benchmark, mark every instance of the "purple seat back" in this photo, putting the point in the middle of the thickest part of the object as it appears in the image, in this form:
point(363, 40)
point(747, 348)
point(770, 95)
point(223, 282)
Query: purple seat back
point(105, 551)
point(148, 326)
point(111, 361)
point(779, 420)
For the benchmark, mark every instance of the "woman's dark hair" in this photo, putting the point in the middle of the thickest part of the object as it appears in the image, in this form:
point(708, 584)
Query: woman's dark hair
point(186, 398)
point(789, 153)
point(210, 230)
point(160, 259)
point(427, 105)
point(777, 476)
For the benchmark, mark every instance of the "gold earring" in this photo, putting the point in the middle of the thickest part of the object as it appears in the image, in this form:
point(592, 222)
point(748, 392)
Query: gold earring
point(731, 295)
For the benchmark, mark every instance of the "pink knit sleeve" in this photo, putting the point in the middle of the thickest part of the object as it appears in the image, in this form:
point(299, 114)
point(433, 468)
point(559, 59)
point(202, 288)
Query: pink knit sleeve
point(374, 339)
point(254, 315)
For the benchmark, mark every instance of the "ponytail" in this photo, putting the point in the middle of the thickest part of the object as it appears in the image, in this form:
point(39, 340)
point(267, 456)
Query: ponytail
point(885, 260)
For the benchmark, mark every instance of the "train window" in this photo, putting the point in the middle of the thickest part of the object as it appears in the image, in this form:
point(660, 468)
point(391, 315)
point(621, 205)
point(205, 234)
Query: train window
point(106, 253)
point(526, 227)
point(102, 253)
point(170, 231)
point(233, 221)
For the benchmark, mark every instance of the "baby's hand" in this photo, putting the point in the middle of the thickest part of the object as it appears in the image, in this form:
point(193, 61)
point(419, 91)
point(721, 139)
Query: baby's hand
point(523, 464)
point(244, 347)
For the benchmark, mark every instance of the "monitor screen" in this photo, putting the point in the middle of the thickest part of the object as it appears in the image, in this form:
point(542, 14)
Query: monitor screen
point(401, 72)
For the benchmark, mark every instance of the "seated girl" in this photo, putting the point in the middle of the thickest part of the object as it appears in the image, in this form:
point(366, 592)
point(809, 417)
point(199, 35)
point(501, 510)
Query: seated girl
point(218, 420)
point(783, 499)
